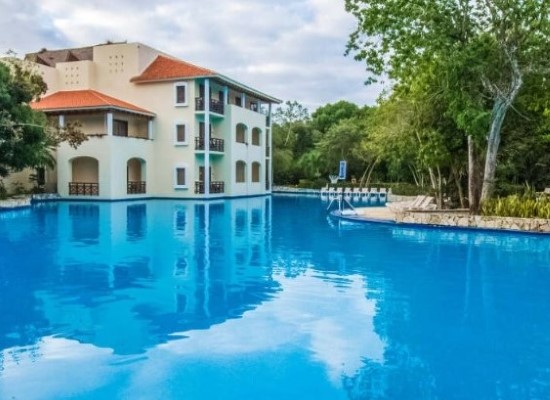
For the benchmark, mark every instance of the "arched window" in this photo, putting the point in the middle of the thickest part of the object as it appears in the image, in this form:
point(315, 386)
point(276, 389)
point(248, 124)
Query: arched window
point(240, 172)
point(255, 172)
point(241, 133)
point(256, 134)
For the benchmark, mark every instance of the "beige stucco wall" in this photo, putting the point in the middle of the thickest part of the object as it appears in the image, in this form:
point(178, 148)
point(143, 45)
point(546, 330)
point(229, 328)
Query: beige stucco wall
point(112, 153)
point(17, 180)
point(246, 152)
point(110, 73)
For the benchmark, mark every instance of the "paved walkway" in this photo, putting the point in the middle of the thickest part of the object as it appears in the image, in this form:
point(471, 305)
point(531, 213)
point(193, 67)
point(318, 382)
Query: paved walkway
point(381, 213)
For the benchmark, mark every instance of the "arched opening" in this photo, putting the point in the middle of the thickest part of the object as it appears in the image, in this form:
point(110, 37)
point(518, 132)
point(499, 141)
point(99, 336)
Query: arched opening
point(240, 172)
point(135, 176)
point(256, 135)
point(84, 177)
point(255, 172)
point(240, 134)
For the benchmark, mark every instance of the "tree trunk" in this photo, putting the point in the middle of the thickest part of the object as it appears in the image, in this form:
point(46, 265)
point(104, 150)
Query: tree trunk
point(473, 176)
point(504, 97)
point(457, 175)
point(439, 194)
point(493, 141)
point(365, 179)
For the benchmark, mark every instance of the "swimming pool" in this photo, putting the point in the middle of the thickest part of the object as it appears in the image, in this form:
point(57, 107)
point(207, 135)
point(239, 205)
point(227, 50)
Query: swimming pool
point(265, 298)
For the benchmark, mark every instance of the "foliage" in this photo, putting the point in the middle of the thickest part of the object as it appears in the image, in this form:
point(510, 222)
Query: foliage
point(478, 55)
point(521, 206)
point(26, 137)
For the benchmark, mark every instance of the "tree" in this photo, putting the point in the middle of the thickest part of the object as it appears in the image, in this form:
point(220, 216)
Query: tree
point(290, 114)
point(26, 137)
point(497, 43)
point(329, 115)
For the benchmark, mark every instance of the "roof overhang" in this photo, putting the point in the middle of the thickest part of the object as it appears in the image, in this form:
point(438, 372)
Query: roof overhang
point(221, 78)
point(88, 109)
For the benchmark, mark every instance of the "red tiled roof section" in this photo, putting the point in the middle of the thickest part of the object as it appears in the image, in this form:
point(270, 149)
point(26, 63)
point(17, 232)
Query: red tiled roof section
point(78, 99)
point(165, 68)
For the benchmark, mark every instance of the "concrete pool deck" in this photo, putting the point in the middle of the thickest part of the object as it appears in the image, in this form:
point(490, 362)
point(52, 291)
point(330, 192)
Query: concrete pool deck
point(447, 219)
point(15, 202)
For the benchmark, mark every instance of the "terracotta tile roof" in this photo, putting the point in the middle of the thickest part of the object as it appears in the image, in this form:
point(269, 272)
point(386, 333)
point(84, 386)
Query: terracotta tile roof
point(84, 99)
point(165, 68)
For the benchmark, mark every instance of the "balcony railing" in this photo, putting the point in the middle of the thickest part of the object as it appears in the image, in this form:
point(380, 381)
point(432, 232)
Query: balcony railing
point(215, 187)
point(215, 144)
point(83, 189)
point(216, 106)
point(136, 187)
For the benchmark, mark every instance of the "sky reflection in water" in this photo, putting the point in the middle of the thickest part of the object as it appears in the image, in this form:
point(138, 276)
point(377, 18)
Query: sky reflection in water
point(265, 298)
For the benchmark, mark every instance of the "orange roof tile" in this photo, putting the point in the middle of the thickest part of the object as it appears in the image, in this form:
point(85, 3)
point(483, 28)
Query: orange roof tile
point(83, 99)
point(165, 68)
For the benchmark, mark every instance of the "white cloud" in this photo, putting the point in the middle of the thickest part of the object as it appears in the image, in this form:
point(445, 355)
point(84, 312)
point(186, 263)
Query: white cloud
point(291, 50)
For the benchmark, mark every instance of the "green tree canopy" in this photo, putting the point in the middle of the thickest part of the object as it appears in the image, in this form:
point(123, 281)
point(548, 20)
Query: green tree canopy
point(484, 49)
point(26, 138)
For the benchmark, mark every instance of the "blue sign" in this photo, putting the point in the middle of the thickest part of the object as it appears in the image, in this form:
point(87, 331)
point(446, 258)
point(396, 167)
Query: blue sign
point(342, 171)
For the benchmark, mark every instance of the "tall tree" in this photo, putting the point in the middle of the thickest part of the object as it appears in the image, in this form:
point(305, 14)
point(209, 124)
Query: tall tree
point(498, 42)
point(26, 137)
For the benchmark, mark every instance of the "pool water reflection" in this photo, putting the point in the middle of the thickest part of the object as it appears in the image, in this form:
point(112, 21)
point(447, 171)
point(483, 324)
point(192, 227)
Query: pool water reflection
point(265, 298)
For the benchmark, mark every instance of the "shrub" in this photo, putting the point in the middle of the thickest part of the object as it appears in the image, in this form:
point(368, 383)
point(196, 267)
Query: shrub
point(524, 206)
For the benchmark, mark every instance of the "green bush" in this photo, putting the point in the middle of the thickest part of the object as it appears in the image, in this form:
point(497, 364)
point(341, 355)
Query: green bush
point(524, 206)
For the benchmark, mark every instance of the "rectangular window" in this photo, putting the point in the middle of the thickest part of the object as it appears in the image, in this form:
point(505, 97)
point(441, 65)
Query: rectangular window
point(181, 94)
point(238, 101)
point(181, 134)
point(181, 178)
point(120, 127)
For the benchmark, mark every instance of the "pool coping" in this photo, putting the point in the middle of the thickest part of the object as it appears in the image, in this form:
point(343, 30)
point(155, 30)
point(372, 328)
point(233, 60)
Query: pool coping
point(393, 222)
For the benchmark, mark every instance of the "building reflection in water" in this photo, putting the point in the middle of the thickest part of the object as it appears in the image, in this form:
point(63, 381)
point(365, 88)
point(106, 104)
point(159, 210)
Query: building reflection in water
point(130, 282)
point(375, 311)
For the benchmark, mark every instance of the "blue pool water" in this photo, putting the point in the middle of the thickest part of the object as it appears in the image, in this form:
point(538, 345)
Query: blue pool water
point(265, 298)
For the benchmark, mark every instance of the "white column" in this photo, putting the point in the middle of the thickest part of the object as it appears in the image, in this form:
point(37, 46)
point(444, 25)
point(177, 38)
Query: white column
point(62, 121)
point(225, 95)
point(244, 100)
point(206, 137)
point(150, 129)
point(110, 123)
point(269, 143)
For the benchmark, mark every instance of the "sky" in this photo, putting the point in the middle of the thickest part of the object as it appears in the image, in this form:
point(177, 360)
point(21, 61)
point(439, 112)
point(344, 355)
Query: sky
point(290, 49)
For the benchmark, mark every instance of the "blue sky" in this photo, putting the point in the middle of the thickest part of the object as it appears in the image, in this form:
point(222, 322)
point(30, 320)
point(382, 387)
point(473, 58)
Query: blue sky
point(293, 50)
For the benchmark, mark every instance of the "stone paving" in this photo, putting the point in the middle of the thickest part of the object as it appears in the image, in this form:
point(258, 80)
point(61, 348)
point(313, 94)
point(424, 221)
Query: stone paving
point(15, 202)
point(458, 219)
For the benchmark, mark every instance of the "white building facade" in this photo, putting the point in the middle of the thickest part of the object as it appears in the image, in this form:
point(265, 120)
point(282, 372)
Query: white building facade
point(155, 126)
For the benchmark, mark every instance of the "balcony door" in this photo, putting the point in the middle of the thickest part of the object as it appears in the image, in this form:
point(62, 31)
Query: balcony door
point(201, 174)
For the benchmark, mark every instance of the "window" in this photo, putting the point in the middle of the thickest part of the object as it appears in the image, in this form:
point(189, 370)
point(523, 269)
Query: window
point(256, 133)
point(180, 178)
point(240, 171)
point(241, 133)
point(120, 127)
point(255, 172)
point(181, 134)
point(180, 90)
point(238, 101)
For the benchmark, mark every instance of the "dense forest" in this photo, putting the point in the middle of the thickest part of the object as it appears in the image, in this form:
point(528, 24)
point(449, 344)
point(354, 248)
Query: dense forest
point(467, 116)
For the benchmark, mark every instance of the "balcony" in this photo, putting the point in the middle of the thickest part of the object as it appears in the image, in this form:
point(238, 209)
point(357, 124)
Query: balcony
point(215, 144)
point(216, 106)
point(136, 187)
point(83, 189)
point(215, 187)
